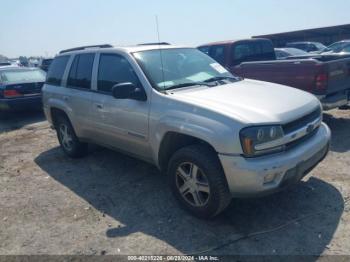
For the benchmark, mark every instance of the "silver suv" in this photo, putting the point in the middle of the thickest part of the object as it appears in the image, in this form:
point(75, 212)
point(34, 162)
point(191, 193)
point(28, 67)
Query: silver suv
point(214, 135)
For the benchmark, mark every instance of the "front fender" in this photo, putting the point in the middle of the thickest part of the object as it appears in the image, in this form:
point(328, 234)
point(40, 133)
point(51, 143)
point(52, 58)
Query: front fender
point(217, 132)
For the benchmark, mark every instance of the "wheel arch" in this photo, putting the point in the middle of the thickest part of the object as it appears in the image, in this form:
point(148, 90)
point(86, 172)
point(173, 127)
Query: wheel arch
point(173, 141)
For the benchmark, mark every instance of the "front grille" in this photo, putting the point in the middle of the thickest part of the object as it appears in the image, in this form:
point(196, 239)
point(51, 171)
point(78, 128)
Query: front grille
point(301, 122)
point(299, 141)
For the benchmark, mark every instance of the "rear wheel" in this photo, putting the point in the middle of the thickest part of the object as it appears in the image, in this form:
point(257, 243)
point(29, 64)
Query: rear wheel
point(198, 182)
point(68, 140)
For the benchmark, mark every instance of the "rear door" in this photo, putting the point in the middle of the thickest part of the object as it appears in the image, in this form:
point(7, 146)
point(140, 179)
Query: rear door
point(120, 123)
point(78, 93)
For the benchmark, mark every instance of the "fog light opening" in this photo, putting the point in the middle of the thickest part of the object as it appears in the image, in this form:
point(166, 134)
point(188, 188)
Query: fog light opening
point(269, 178)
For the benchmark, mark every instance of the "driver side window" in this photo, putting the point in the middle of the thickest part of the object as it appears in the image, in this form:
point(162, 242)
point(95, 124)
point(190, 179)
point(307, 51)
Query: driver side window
point(114, 69)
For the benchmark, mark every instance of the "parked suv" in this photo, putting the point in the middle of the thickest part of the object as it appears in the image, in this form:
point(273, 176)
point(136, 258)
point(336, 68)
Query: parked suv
point(214, 135)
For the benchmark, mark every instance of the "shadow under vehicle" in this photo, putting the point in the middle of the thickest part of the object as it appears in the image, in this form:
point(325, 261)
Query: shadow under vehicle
point(301, 221)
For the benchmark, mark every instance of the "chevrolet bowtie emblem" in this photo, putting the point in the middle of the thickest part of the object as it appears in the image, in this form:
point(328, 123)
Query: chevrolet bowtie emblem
point(309, 128)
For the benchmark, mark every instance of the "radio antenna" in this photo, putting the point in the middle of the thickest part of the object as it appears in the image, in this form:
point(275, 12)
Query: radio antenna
point(160, 52)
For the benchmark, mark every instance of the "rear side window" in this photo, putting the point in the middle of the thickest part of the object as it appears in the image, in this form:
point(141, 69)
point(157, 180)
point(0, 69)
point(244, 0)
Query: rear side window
point(81, 71)
point(114, 69)
point(217, 52)
point(56, 71)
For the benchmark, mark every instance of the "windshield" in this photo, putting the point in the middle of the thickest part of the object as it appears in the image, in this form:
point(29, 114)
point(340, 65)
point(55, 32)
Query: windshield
point(295, 51)
point(336, 47)
point(172, 68)
point(14, 76)
point(320, 46)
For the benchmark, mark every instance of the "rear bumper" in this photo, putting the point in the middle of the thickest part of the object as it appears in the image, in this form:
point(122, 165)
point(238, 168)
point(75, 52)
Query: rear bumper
point(248, 177)
point(335, 100)
point(20, 103)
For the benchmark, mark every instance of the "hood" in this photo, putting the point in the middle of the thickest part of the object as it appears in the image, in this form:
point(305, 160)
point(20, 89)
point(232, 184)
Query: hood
point(251, 101)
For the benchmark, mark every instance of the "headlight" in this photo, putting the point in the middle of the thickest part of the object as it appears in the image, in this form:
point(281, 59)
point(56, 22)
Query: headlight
point(259, 140)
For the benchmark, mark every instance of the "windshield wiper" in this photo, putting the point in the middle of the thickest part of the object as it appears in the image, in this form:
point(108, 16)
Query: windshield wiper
point(218, 78)
point(189, 84)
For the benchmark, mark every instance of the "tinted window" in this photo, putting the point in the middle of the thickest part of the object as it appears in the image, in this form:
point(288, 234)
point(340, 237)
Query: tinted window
point(204, 49)
point(56, 71)
point(218, 53)
point(81, 70)
point(252, 51)
point(114, 69)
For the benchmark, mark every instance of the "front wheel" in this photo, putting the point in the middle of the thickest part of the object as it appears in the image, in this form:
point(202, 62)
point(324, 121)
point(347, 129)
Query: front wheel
point(198, 182)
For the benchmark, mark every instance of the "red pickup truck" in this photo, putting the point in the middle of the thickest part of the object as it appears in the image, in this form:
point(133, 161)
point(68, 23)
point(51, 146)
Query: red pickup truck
point(326, 76)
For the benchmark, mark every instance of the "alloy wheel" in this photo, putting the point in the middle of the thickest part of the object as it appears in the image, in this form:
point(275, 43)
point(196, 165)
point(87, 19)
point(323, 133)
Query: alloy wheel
point(66, 137)
point(192, 184)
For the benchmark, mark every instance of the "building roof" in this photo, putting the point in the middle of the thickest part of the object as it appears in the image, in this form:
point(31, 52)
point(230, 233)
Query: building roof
point(322, 31)
point(227, 42)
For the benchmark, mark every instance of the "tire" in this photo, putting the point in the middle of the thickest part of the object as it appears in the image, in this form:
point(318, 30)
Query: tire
point(70, 145)
point(207, 192)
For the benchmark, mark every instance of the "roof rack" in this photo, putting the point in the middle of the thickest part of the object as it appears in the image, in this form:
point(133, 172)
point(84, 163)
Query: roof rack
point(161, 43)
point(85, 47)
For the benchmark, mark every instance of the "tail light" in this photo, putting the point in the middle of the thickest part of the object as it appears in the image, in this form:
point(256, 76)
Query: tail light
point(11, 93)
point(321, 81)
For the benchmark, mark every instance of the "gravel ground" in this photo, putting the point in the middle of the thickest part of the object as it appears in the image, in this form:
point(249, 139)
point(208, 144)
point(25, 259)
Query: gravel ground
point(108, 203)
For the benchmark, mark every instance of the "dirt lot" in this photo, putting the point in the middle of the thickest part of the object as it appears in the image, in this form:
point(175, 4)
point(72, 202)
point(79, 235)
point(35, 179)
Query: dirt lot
point(107, 203)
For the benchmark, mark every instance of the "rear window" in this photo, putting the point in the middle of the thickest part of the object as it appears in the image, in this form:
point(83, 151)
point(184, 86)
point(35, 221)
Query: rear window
point(81, 70)
point(56, 71)
point(252, 51)
point(204, 49)
point(217, 52)
point(18, 76)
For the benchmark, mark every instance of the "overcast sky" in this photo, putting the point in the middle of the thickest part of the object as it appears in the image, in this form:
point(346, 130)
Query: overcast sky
point(43, 27)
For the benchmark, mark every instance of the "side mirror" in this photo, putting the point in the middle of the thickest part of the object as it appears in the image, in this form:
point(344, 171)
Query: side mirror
point(128, 91)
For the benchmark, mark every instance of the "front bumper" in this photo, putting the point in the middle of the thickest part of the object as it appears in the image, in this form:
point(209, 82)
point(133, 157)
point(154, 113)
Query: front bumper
point(247, 177)
point(20, 103)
